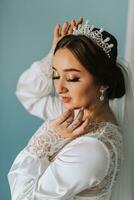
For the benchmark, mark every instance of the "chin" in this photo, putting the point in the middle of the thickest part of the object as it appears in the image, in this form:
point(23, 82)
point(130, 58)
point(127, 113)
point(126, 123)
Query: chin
point(72, 107)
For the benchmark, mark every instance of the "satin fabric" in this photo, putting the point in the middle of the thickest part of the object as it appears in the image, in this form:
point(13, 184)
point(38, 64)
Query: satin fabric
point(83, 162)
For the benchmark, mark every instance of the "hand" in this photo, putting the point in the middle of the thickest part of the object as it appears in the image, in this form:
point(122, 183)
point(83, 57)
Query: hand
point(65, 29)
point(63, 124)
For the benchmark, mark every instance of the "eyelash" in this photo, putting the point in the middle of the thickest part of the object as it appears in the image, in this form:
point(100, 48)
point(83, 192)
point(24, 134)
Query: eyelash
point(70, 80)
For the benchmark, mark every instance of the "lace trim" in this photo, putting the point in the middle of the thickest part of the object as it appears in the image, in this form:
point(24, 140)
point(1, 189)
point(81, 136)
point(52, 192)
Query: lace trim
point(46, 142)
point(98, 197)
point(112, 139)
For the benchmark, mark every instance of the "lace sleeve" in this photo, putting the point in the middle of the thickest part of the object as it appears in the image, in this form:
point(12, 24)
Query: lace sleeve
point(46, 143)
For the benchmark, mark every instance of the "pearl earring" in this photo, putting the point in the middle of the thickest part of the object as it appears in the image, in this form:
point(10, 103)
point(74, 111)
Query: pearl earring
point(102, 95)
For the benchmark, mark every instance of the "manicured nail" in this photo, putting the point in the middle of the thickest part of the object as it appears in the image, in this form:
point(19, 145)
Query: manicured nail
point(82, 108)
point(74, 22)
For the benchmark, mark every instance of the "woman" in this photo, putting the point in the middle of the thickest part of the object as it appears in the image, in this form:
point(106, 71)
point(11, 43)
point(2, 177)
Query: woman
point(77, 152)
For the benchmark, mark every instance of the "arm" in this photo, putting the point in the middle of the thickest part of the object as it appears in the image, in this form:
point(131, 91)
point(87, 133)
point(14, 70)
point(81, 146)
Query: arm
point(35, 86)
point(83, 163)
point(35, 89)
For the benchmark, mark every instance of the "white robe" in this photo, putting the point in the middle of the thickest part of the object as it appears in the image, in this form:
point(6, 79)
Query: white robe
point(83, 168)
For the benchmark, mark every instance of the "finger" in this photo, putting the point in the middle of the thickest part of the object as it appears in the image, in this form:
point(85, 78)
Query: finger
point(57, 30)
point(63, 116)
point(80, 21)
point(72, 25)
point(70, 118)
point(82, 129)
point(81, 112)
point(78, 120)
point(68, 121)
point(64, 28)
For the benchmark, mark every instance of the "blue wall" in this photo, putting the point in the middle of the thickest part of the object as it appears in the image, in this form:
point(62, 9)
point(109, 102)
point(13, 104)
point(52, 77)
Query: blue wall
point(26, 35)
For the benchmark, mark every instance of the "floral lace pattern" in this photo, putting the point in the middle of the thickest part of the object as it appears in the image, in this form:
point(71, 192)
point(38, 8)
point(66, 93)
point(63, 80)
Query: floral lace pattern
point(112, 139)
point(46, 143)
point(114, 143)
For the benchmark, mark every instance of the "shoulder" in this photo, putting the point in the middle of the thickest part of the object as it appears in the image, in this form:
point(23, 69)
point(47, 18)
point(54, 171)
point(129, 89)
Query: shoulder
point(111, 133)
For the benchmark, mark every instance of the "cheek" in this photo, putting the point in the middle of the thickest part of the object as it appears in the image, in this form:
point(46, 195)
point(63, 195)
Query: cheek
point(84, 93)
point(83, 90)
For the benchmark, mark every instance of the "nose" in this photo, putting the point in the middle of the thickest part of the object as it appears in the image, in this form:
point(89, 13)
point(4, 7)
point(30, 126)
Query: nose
point(60, 86)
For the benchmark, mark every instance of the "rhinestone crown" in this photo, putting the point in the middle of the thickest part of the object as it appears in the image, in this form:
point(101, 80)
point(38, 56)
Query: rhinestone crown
point(96, 35)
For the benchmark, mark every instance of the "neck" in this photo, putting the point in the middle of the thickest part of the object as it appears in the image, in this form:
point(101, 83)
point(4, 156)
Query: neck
point(98, 112)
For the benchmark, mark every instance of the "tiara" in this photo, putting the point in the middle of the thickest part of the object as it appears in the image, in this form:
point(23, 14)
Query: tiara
point(96, 35)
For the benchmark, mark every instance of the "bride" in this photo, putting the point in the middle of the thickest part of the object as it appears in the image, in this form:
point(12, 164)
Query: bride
point(77, 152)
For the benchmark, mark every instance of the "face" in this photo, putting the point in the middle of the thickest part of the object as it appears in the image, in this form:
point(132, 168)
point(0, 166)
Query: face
point(72, 80)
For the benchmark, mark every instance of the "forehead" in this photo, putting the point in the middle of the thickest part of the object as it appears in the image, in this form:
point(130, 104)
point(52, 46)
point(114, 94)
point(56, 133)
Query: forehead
point(64, 60)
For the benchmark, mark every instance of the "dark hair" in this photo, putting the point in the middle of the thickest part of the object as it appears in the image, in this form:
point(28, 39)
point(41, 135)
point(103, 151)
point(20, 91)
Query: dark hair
point(104, 69)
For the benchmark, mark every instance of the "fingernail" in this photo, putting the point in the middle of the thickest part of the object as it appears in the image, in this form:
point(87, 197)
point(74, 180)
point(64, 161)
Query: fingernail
point(58, 25)
point(82, 109)
point(74, 22)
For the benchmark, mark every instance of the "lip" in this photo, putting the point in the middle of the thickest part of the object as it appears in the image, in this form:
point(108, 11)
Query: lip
point(66, 99)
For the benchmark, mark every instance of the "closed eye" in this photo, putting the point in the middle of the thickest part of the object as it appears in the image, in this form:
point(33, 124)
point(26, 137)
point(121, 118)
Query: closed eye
point(69, 80)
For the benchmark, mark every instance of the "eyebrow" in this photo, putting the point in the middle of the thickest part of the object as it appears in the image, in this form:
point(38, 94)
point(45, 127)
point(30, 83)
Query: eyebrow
point(67, 70)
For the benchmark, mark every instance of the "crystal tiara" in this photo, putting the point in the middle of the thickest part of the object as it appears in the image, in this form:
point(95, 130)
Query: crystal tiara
point(96, 35)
